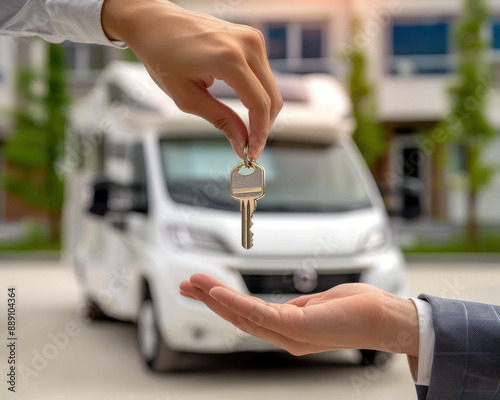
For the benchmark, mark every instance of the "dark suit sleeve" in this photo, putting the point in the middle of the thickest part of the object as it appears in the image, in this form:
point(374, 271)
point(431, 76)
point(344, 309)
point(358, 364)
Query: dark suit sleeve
point(466, 362)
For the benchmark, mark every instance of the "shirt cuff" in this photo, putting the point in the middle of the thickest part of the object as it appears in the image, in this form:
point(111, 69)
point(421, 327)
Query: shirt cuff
point(421, 368)
point(79, 21)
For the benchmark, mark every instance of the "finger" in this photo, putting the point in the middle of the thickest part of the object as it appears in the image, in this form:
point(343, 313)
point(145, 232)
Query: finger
point(187, 295)
point(259, 63)
point(263, 72)
point(199, 286)
point(227, 313)
point(255, 98)
point(207, 282)
point(224, 311)
point(268, 82)
point(250, 308)
point(187, 289)
point(196, 100)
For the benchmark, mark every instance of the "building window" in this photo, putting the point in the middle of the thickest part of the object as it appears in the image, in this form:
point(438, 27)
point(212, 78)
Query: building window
point(277, 42)
point(140, 194)
point(495, 44)
point(496, 35)
point(298, 47)
point(420, 47)
point(312, 43)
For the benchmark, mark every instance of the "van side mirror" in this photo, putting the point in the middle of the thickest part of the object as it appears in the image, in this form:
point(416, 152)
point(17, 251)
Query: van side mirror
point(111, 196)
point(101, 188)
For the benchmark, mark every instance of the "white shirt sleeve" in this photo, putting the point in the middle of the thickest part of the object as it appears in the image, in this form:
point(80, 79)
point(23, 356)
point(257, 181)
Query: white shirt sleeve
point(55, 20)
point(421, 368)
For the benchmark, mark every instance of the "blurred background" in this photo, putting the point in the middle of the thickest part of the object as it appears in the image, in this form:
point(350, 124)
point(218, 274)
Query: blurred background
point(422, 75)
point(424, 80)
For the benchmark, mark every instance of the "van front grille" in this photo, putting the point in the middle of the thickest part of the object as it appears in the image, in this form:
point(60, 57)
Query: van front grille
point(284, 283)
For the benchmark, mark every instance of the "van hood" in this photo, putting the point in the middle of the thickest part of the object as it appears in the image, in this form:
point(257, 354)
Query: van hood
point(293, 235)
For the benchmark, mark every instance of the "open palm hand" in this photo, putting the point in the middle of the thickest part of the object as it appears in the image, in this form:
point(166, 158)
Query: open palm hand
point(346, 316)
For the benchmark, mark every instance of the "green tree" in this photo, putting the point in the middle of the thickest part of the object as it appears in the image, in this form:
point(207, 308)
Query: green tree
point(369, 135)
point(38, 141)
point(467, 123)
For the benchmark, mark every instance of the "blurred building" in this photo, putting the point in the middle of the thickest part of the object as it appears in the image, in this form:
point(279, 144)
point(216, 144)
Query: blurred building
point(411, 61)
point(84, 63)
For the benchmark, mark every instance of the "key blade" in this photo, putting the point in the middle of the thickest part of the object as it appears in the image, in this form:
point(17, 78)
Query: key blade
point(245, 224)
point(247, 209)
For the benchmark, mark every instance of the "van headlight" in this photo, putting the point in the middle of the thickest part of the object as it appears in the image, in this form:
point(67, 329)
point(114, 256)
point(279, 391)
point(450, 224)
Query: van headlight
point(188, 239)
point(376, 239)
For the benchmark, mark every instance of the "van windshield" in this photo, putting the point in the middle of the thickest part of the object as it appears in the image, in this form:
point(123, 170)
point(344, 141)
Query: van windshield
point(299, 177)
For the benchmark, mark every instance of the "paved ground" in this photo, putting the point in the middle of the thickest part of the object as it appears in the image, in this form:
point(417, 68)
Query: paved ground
point(100, 360)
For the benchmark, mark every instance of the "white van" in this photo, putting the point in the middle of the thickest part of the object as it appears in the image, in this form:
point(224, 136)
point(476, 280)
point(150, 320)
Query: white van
point(148, 205)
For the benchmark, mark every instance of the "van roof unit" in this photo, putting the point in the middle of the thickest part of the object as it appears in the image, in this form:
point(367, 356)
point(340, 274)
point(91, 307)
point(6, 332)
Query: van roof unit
point(316, 105)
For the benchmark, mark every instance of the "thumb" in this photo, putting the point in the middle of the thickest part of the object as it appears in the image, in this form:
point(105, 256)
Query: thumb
point(199, 101)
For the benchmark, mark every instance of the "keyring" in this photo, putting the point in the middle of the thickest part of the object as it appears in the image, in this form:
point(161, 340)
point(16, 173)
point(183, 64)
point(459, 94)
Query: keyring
point(248, 160)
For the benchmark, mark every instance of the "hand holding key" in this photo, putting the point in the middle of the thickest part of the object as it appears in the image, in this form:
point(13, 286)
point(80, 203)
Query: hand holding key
point(185, 51)
point(247, 189)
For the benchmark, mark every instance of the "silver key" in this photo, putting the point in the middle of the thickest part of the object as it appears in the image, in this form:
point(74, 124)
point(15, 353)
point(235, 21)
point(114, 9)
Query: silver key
point(247, 189)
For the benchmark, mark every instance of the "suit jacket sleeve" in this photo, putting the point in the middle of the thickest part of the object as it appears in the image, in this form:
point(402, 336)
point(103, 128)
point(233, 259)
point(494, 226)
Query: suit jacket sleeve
point(466, 362)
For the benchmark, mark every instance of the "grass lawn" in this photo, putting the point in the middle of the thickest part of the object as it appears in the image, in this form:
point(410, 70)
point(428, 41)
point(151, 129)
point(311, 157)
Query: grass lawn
point(28, 245)
point(457, 244)
point(35, 239)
